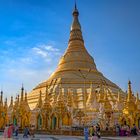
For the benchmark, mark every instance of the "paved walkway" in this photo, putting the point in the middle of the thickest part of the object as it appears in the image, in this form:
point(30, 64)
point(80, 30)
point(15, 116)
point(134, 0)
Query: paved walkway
point(121, 138)
point(55, 137)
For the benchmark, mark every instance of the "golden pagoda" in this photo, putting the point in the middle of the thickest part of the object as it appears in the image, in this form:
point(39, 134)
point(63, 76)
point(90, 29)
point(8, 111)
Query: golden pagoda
point(76, 94)
point(76, 70)
point(74, 74)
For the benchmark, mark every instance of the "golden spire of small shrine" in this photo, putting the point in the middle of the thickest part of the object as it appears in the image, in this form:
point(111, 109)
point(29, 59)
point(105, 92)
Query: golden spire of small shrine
point(5, 104)
point(1, 98)
point(137, 103)
point(22, 93)
point(137, 98)
point(11, 103)
point(46, 104)
point(26, 100)
point(129, 97)
point(39, 104)
point(60, 99)
point(46, 95)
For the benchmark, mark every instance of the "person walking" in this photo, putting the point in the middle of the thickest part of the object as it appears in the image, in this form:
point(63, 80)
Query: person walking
point(117, 130)
point(10, 131)
point(98, 130)
point(86, 133)
point(5, 134)
point(32, 131)
point(91, 131)
point(26, 132)
point(16, 130)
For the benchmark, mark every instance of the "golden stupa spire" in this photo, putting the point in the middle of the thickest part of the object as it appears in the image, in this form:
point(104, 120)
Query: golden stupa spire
point(17, 99)
point(26, 105)
point(26, 100)
point(76, 56)
point(137, 98)
point(39, 104)
point(75, 27)
point(11, 103)
point(60, 99)
point(137, 102)
point(22, 93)
point(129, 97)
point(1, 98)
point(5, 103)
point(46, 104)
point(46, 95)
point(16, 104)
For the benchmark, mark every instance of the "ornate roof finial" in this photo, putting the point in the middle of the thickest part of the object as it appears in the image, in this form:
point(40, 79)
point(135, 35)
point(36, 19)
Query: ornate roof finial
point(46, 105)
point(137, 98)
point(75, 5)
point(22, 88)
point(1, 98)
point(5, 101)
point(18, 98)
point(75, 12)
point(46, 94)
point(76, 25)
point(11, 103)
point(25, 96)
point(129, 91)
point(22, 92)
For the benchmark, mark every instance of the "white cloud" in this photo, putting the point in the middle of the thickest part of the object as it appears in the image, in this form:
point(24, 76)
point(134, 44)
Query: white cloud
point(46, 51)
point(50, 48)
point(40, 52)
point(33, 66)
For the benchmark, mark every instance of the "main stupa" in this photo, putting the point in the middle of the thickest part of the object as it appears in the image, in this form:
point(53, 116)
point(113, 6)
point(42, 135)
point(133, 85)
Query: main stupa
point(76, 71)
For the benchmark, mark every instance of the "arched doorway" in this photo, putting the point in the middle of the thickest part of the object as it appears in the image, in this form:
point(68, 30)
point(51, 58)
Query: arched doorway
point(39, 121)
point(54, 122)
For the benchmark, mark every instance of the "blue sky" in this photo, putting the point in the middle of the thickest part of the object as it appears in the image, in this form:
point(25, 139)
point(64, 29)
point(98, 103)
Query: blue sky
point(34, 34)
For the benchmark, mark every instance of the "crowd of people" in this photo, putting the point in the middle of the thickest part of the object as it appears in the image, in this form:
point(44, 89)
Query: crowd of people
point(93, 132)
point(125, 130)
point(13, 131)
point(120, 130)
